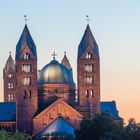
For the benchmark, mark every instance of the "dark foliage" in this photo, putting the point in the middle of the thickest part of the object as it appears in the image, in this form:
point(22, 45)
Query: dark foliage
point(105, 127)
point(14, 136)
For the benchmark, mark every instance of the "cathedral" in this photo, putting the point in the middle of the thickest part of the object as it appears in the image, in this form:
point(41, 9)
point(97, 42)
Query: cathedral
point(40, 102)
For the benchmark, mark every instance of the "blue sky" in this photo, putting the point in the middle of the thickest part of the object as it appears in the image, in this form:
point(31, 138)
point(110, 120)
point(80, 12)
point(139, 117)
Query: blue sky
point(58, 25)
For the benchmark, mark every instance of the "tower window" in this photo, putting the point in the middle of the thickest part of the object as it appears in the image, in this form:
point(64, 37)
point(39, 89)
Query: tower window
point(10, 85)
point(89, 55)
point(89, 67)
point(27, 94)
point(26, 68)
point(87, 93)
point(10, 75)
point(10, 97)
point(92, 93)
point(89, 80)
point(26, 56)
point(27, 81)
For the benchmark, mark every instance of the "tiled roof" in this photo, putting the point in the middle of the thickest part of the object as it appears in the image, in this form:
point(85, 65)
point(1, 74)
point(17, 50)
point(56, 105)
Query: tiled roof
point(58, 125)
point(7, 111)
point(110, 108)
point(88, 40)
point(25, 40)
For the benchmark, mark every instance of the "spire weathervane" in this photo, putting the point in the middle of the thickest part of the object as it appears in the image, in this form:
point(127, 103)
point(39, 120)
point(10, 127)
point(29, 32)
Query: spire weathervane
point(10, 53)
point(54, 55)
point(25, 19)
point(87, 19)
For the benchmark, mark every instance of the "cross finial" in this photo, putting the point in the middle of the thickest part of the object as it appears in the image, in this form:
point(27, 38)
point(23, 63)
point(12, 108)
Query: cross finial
point(10, 53)
point(54, 55)
point(87, 19)
point(25, 19)
point(65, 52)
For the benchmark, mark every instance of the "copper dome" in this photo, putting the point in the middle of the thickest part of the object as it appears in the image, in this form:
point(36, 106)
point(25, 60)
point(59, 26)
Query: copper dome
point(55, 73)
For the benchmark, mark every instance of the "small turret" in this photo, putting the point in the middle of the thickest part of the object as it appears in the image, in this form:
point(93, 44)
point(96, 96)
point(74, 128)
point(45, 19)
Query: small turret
point(9, 79)
point(9, 66)
point(66, 62)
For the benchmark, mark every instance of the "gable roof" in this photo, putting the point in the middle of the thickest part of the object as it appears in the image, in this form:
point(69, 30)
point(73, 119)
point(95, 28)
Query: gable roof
point(58, 125)
point(24, 41)
point(110, 108)
point(55, 103)
point(7, 111)
point(88, 41)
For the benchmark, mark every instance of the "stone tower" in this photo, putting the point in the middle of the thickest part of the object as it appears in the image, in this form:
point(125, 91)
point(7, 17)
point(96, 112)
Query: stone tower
point(26, 78)
point(88, 70)
point(9, 78)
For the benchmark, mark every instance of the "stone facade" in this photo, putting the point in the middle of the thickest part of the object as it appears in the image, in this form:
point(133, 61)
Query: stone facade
point(58, 108)
point(48, 93)
point(88, 66)
point(26, 89)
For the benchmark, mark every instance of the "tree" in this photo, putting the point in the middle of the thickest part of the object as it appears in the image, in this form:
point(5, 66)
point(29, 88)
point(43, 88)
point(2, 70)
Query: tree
point(132, 130)
point(14, 136)
point(3, 135)
point(102, 127)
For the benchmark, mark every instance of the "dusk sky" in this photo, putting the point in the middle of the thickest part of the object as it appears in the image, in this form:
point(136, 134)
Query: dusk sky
point(58, 25)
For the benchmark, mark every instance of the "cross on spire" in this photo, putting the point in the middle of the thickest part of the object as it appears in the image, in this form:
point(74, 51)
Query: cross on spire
point(25, 19)
point(10, 53)
point(54, 55)
point(87, 19)
point(65, 52)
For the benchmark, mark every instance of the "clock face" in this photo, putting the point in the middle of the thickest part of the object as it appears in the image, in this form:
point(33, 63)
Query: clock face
point(10, 75)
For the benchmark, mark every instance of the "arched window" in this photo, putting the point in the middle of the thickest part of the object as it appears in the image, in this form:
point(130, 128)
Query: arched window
point(89, 80)
point(92, 93)
point(27, 94)
point(10, 75)
point(10, 97)
point(89, 55)
point(26, 56)
point(27, 81)
point(26, 68)
point(89, 67)
point(87, 93)
point(10, 85)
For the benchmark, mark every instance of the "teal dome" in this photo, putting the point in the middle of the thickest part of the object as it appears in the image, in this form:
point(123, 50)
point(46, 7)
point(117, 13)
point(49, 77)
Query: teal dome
point(55, 73)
